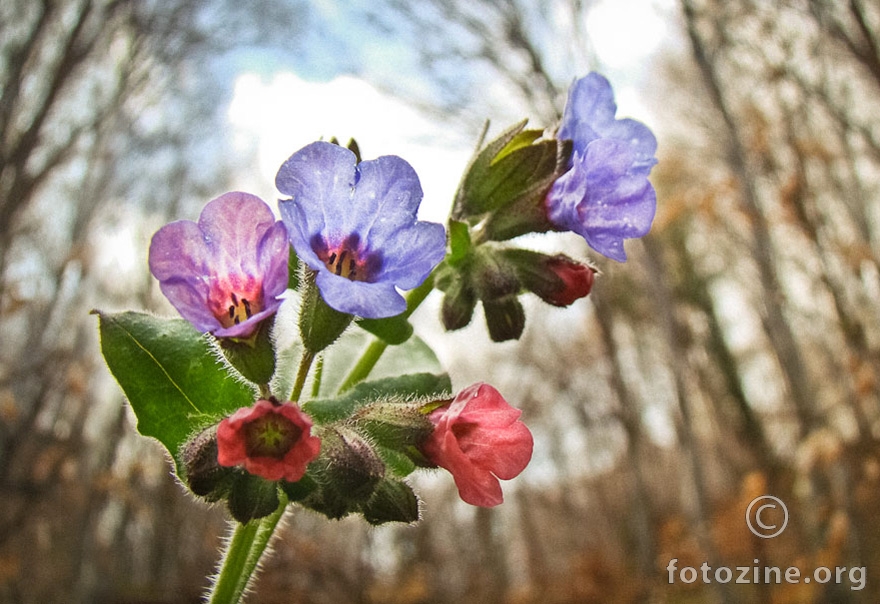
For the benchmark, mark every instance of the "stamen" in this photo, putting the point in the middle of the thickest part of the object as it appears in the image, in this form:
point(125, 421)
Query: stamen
point(231, 311)
point(247, 307)
point(338, 268)
point(234, 299)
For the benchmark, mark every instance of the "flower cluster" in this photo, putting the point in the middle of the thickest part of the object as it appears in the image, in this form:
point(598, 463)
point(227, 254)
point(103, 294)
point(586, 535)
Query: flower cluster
point(234, 412)
point(590, 178)
point(347, 245)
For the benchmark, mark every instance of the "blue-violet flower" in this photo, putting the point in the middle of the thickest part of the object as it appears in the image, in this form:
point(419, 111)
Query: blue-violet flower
point(223, 274)
point(355, 224)
point(605, 196)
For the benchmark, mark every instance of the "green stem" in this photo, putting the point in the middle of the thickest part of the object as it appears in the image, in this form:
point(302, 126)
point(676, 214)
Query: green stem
point(305, 363)
point(243, 552)
point(374, 350)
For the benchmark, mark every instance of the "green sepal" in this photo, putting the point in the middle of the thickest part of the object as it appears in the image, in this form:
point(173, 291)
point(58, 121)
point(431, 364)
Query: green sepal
point(459, 242)
point(532, 171)
point(505, 318)
point(171, 375)
point(319, 324)
point(252, 497)
point(392, 501)
point(506, 182)
point(254, 358)
point(463, 206)
point(299, 490)
point(294, 270)
point(404, 387)
point(491, 275)
point(393, 423)
point(397, 462)
point(393, 330)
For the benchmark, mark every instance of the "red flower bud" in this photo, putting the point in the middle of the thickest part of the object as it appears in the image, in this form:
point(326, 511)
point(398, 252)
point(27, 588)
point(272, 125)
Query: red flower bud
point(478, 437)
point(577, 280)
point(270, 440)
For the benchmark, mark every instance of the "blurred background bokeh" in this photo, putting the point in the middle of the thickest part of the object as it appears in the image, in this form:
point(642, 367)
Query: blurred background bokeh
point(736, 354)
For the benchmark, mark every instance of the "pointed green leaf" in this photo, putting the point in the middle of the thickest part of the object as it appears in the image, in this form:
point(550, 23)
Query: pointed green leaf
point(171, 375)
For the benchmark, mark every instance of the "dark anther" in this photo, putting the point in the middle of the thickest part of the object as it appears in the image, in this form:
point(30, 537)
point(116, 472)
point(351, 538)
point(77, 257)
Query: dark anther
point(351, 268)
point(231, 311)
point(237, 320)
point(234, 299)
point(247, 307)
point(332, 258)
point(342, 256)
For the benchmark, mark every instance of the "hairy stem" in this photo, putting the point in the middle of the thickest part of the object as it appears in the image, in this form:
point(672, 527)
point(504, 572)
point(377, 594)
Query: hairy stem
point(242, 554)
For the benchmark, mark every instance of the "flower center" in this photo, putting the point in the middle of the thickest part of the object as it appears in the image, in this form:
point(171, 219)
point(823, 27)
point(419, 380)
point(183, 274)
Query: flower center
point(347, 259)
point(271, 435)
point(234, 301)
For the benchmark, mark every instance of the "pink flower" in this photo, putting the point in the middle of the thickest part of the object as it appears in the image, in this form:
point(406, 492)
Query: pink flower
point(479, 439)
point(270, 440)
point(224, 273)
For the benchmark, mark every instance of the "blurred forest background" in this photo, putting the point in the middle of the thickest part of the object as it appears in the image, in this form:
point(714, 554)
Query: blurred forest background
point(737, 352)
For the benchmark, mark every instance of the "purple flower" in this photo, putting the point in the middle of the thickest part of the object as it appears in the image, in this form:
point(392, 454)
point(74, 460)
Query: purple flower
point(605, 197)
point(355, 224)
point(223, 274)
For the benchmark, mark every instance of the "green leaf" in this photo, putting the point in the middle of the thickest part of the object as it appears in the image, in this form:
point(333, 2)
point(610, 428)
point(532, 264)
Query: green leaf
point(171, 375)
point(394, 330)
point(418, 385)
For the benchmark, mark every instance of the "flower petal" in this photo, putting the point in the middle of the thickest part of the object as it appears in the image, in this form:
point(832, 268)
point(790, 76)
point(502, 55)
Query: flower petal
point(385, 200)
point(367, 300)
point(408, 270)
point(320, 177)
point(233, 226)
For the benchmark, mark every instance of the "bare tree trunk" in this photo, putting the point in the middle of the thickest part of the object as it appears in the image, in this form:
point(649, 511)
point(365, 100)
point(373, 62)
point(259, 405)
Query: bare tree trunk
point(778, 329)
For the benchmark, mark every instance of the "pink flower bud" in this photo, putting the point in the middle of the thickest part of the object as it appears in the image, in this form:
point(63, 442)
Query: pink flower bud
point(270, 440)
point(478, 438)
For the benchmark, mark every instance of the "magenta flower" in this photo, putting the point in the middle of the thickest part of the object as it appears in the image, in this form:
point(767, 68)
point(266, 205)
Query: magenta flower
point(605, 196)
point(479, 439)
point(223, 274)
point(355, 224)
point(270, 440)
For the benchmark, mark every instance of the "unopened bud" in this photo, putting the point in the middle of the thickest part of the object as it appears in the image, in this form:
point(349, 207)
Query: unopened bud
point(353, 466)
point(557, 280)
point(204, 476)
point(505, 318)
point(392, 501)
